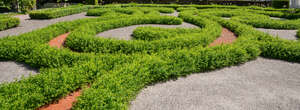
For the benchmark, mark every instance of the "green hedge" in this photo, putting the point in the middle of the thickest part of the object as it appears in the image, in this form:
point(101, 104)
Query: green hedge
point(58, 12)
point(92, 2)
point(117, 78)
point(7, 22)
point(149, 33)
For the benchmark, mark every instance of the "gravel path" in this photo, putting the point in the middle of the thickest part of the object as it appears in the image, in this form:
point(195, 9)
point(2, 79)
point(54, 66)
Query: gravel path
point(227, 18)
point(276, 18)
point(285, 34)
point(124, 33)
point(262, 84)
point(28, 24)
point(10, 70)
point(176, 13)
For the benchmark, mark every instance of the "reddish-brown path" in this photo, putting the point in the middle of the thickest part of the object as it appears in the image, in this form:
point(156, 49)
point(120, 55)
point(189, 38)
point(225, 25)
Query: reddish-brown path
point(59, 40)
point(65, 103)
point(227, 37)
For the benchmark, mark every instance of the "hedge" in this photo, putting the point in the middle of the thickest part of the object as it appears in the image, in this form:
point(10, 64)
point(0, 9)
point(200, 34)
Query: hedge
point(116, 78)
point(7, 22)
point(58, 12)
point(83, 40)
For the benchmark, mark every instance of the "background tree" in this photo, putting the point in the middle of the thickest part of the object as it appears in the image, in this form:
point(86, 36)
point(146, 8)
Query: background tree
point(64, 1)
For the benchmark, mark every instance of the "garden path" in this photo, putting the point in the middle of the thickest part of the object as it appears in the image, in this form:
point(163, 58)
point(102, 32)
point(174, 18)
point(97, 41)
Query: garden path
point(27, 24)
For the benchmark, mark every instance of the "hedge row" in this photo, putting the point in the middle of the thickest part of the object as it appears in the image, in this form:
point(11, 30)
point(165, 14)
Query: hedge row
point(83, 39)
point(255, 18)
point(130, 11)
point(58, 12)
point(7, 22)
point(149, 33)
point(119, 87)
point(262, 21)
point(271, 47)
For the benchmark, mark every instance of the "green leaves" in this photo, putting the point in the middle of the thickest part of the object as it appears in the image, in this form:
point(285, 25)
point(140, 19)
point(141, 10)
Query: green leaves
point(7, 22)
point(58, 12)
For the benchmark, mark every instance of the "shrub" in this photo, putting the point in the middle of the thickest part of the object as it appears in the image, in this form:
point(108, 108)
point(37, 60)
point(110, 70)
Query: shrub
point(92, 2)
point(116, 78)
point(58, 12)
point(7, 22)
point(280, 3)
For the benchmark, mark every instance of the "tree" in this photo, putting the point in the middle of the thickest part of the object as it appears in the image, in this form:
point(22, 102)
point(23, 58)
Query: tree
point(294, 3)
point(65, 2)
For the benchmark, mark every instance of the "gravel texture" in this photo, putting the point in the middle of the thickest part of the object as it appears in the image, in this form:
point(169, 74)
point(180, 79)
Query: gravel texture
point(276, 18)
point(10, 70)
point(28, 24)
point(285, 34)
point(170, 14)
point(263, 84)
point(227, 18)
point(124, 33)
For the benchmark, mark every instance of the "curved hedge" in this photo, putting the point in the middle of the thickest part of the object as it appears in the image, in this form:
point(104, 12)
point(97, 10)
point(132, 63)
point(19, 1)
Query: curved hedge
point(7, 22)
point(58, 12)
point(117, 78)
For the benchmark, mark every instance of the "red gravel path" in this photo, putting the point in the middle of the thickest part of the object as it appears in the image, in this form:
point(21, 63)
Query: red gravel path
point(227, 37)
point(65, 103)
point(59, 40)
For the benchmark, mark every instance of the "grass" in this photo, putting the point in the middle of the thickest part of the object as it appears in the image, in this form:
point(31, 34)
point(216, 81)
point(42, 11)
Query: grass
point(117, 69)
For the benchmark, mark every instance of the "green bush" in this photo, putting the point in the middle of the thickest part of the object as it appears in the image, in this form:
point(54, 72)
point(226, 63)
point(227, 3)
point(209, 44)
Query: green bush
point(58, 12)
point(116, 78)
point(7, 22)
point(27, 5)
point(92, 2)
point(280, 3)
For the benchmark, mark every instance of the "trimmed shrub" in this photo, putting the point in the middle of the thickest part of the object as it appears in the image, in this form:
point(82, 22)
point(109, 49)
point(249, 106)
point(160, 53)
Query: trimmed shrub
point(58, 12)
point(92, 2)
point(7, 22)
point(116, 78)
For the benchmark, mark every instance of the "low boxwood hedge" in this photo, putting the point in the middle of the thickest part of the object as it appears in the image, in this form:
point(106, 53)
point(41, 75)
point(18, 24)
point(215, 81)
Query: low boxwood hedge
point(58, 12)
point(7, 22)
point(116, 78)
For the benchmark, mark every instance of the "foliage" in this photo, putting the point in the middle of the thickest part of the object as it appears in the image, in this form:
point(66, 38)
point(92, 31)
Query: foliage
point(7, 22)
point(58, 12)
point(117, 76)
point(280, 3)
point(92, 2)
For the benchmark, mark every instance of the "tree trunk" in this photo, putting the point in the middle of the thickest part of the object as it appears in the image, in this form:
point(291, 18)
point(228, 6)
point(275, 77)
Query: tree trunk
point(294, 4)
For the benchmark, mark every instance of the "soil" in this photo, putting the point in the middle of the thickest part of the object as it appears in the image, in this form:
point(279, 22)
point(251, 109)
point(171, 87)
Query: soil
point(59, 41)
point(227, 37)
point(64, 103)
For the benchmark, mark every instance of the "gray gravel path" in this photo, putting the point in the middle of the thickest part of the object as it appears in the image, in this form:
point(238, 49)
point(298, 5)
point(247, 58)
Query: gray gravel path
point(276, 18)
point(10, 70)
point(227, 18)
point(176, 13)
point(28, 24)
point(124, 33)
point(262, 84)
point(285, 34)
